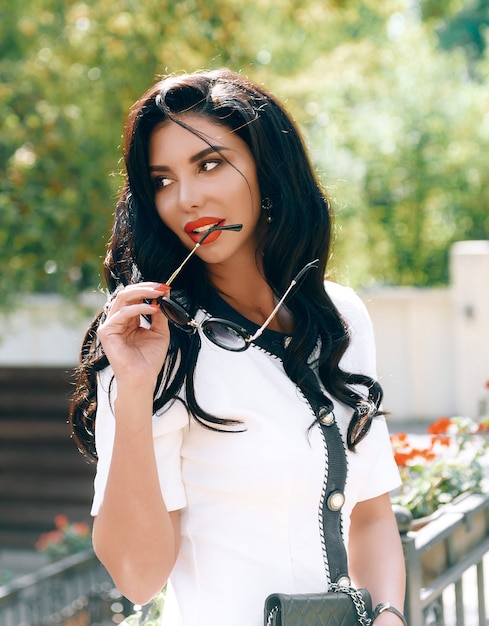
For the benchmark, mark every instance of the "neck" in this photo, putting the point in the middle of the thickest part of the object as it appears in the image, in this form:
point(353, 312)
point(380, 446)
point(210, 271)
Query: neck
point(246, 290)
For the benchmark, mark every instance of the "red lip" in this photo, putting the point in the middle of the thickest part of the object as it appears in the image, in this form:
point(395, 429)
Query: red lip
point(196, 235)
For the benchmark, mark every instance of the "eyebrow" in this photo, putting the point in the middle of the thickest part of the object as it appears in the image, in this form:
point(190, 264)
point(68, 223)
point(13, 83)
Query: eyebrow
point(193, 159)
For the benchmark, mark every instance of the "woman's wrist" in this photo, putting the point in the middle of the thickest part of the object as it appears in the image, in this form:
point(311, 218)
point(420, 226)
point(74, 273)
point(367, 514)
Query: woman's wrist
point(385, 608)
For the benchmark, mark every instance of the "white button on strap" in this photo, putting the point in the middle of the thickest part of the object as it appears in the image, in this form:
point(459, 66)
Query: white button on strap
point(326, 417)
point(335, 501)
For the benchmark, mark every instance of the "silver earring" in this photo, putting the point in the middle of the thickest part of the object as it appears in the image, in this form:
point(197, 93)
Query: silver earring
point(266, 207)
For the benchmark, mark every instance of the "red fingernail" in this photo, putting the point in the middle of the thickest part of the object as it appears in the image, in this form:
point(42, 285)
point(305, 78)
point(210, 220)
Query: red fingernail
point(162, 287)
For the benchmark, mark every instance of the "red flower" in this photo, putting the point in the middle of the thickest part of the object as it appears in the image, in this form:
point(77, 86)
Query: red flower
point(399, 439)
point(53, 536)
point(443, 440)
point(401, 447)
point(440, 427)
point(483, 426)
point(405, 452)
point(61, 522)
point(401, 458)
point(80, 528)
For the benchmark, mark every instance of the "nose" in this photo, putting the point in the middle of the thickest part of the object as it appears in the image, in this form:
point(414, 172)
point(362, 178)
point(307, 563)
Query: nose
point(190, 194)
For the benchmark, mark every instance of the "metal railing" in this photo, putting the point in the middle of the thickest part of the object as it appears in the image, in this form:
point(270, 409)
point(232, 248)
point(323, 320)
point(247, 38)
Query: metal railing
point(75, 591)
point(439, 555)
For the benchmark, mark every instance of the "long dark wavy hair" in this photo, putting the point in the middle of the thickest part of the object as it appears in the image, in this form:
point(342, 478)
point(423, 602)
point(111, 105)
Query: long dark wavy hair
point(141, 247)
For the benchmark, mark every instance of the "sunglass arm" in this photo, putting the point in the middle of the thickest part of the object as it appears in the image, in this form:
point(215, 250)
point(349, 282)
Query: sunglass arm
point(179, 268)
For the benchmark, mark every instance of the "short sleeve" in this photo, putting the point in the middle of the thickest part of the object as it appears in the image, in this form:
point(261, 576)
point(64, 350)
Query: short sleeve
point(168, 425)
point(372, 465)
point(378, 473)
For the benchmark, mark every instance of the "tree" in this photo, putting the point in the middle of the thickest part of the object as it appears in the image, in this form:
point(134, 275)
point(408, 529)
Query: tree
point(68, 74)
point(402, 144)
point(404, 148)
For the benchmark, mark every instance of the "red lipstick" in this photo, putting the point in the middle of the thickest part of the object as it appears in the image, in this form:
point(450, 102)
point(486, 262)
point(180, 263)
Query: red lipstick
point(197, 228)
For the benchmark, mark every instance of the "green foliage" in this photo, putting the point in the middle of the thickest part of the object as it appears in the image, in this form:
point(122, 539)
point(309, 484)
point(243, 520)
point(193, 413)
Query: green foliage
point(404, 149)
point(397, 126)
point(69, 73)
point(467, 29)
point(5, 577)
point(439, 9)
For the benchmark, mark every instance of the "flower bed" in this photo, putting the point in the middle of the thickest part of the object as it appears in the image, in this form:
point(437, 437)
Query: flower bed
point(439, 467)
point(67, 538)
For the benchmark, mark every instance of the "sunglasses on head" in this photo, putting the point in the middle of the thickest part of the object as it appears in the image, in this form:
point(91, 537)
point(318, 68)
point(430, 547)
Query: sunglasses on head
point(223, 333)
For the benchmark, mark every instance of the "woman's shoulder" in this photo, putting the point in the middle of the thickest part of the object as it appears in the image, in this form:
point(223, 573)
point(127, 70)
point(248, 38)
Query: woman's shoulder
point(346, 300)
point(336, 291)
point(360, 355)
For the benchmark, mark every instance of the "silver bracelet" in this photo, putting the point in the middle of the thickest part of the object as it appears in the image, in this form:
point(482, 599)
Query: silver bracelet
point(386, 606)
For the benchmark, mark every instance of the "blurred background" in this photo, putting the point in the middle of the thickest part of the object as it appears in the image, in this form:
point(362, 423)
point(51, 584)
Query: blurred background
point(392, 96)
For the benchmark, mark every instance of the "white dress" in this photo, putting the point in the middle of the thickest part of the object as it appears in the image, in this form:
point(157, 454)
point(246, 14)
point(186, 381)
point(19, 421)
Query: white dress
point(249, 501)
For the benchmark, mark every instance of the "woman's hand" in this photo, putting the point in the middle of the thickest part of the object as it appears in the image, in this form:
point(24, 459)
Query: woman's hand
point(136, 350)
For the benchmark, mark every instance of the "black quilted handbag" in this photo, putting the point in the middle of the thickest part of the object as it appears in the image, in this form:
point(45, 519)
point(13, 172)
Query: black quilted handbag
point(344, 607)
point(342, 604)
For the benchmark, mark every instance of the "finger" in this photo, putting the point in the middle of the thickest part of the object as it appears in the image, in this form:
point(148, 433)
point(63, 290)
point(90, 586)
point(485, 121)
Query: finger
point(129, 316)
point(162, 287)
point(139, 292)
point(159, 321)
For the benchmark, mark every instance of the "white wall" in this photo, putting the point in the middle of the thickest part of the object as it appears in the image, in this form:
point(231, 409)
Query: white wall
point(470, 280)
point(47, 330)
point(432, 344)
point(415, 350)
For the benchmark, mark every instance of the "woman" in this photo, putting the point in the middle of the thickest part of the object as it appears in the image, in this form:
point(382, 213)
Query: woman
point(212, 457)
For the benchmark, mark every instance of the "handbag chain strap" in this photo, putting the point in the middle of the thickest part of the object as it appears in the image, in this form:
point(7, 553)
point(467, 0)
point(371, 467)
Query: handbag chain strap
point(337, 559)
point(271, 615)
point(356, 596)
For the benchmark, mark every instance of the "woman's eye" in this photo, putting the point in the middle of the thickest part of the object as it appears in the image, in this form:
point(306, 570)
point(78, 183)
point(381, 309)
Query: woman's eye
point(207, 166)
point(159, 182)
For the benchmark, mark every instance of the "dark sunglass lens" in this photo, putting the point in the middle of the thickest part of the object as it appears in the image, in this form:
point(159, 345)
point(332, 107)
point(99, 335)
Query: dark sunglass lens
point(175, 313)
point(224, 335)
